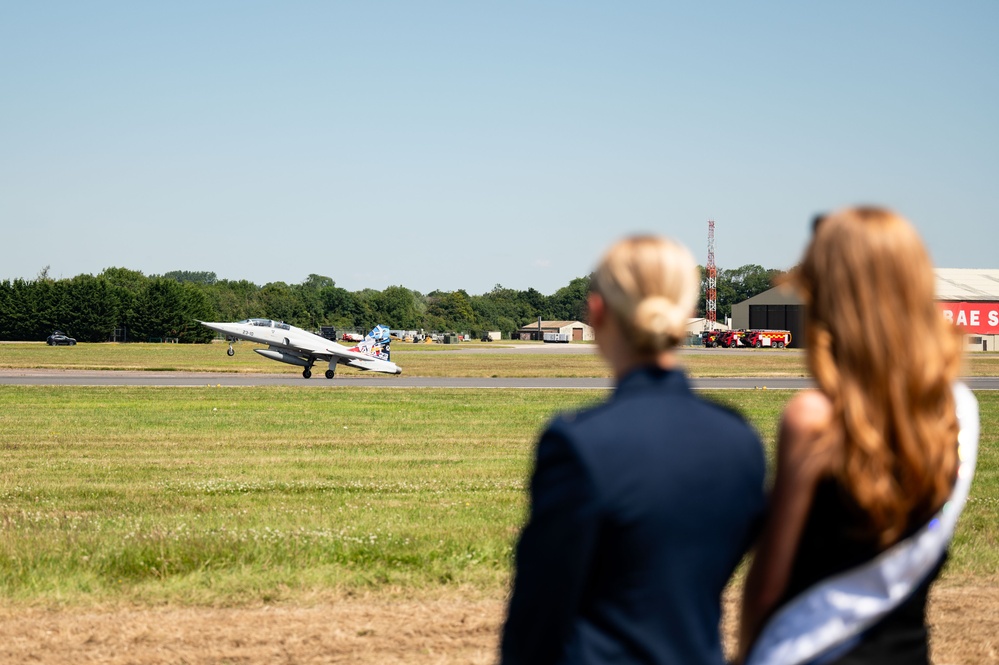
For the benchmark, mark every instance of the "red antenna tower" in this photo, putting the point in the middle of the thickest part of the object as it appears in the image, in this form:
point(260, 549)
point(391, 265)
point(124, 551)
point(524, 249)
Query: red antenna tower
point(711, 316)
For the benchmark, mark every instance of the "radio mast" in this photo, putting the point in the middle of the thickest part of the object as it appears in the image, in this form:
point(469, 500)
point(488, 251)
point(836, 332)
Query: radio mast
point(711, 315)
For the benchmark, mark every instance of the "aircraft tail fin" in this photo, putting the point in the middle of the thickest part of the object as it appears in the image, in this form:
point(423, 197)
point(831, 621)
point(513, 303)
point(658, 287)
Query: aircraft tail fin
point(376, 343)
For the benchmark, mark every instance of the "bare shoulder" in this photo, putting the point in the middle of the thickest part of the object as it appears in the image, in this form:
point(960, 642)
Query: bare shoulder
point(807, 418)
point(809, 411)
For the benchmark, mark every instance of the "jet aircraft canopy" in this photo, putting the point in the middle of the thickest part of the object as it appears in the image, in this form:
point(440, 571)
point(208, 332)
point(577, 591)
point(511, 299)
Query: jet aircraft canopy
point(267, 323)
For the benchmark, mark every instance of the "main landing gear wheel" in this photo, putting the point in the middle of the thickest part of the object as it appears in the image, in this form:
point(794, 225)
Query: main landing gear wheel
point(231, 351)
point(306, 373)
point(330, 374)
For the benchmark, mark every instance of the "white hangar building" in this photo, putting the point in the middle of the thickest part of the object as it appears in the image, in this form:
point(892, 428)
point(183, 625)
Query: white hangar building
point(967, 296)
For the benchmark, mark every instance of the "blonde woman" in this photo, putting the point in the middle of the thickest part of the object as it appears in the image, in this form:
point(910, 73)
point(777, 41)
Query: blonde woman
point(866, 463)
point(641, 507)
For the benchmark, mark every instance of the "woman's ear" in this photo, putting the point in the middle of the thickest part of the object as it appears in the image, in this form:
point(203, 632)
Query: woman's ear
point(596, 310)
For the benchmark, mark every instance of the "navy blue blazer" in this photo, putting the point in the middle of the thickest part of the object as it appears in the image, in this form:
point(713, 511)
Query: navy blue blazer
point(641, 509)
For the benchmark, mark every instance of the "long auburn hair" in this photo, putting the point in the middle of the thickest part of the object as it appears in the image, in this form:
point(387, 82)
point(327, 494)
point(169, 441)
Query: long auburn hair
point(881, 351)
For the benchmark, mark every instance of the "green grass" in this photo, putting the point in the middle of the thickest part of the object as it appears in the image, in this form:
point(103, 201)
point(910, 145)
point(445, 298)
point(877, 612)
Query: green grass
point(226, 495)
point(230, 496)
point(415, 360)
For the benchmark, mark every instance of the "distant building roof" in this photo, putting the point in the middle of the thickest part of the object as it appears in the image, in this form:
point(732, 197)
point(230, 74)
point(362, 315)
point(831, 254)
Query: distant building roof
point(550, 324)
point(695, 323)
point(951, 284)
point(967, 283)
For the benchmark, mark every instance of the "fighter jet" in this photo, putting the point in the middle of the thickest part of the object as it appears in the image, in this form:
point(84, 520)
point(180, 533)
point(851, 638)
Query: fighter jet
point(288, 344)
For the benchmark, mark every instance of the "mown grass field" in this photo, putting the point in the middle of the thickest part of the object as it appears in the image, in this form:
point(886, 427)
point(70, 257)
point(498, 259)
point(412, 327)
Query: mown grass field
point(488, 360)
point(236, 496)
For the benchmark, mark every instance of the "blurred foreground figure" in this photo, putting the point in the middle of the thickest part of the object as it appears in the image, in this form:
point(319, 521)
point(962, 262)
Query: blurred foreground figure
point(641, 507)
point(873, 467)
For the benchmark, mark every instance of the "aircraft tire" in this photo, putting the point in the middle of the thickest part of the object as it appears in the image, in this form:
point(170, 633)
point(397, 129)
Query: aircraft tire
point(231, 352)
point(306, 373)
point(330, 374)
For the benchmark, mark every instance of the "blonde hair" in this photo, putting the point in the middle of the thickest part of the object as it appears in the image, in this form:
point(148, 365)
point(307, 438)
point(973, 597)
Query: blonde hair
point(650, 285)
point(881, 351)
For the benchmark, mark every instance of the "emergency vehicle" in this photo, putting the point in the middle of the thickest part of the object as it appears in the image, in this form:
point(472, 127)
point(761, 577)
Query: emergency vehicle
point(731, 339)
point(773, 338)
point(710, 338)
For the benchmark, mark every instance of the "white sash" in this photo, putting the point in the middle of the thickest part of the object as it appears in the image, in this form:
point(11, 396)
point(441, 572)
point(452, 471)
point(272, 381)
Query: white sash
point(839, 608)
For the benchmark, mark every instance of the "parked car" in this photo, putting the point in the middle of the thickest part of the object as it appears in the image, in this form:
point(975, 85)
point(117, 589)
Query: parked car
point(59, 338)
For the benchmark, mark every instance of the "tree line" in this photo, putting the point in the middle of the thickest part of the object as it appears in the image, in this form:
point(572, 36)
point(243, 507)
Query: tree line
point(127, 305)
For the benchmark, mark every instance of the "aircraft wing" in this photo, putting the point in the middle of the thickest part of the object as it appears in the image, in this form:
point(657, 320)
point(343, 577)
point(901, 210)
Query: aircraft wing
point(328, 352)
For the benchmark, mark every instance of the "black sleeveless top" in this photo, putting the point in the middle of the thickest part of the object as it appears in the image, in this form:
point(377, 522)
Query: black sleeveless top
point(831, 543)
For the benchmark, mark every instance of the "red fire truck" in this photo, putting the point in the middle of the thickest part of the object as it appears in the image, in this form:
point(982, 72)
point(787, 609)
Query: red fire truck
point(773, 338)
point(730, 339)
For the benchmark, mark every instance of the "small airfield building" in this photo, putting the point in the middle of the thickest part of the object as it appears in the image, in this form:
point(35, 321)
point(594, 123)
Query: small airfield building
point(577, 330)
point(967, 296)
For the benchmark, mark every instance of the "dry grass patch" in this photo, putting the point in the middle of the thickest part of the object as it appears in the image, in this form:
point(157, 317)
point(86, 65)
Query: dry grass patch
point(437, 629)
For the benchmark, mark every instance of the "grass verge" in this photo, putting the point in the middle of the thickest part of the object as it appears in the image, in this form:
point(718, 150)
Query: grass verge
point(229, 496)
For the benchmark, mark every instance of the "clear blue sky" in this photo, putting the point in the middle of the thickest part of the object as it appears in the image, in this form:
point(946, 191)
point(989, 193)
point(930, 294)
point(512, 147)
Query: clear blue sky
point(447, 145)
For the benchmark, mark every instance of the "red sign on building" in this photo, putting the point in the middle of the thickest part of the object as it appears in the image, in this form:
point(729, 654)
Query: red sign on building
point(981, 318)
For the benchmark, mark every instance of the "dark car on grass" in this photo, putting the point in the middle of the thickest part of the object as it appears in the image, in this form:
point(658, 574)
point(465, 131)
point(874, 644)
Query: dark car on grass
point(59, 338)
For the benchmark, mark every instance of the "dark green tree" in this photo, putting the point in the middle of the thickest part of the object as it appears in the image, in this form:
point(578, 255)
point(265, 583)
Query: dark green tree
point(504, 309)
point(93, 308)
point(451, 311)
point(283, 303)
point(132, 281)
point(309, 293)
point(166, 308)
point(398, 307)
point(195, 277)
point(342, 309)
point(233, 301)
point(16, 312)
point(569, 302)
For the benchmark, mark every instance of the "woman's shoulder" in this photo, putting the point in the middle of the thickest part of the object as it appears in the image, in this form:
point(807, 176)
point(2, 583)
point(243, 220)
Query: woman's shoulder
point(807, 420)
point(809, 411)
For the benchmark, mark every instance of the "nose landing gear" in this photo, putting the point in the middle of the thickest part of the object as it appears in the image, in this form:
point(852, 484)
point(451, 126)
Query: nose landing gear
point(231, 351)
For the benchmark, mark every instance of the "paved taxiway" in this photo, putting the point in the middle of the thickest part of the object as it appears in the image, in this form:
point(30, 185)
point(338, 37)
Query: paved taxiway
point(39, 377)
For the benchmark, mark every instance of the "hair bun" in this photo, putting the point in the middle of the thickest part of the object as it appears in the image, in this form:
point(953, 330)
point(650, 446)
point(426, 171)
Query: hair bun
point(659, 320)
point(650, 285)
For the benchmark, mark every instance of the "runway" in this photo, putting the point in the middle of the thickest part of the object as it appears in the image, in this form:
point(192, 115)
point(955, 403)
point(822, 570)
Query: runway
point(39, 377)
